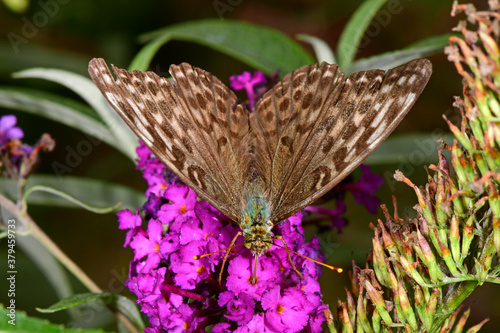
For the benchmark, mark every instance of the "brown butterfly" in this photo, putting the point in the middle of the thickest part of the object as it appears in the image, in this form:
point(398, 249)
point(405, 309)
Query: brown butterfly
point(258, 168)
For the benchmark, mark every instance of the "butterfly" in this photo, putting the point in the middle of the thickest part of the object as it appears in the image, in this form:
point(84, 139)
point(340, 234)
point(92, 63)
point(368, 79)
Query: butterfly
point(258, 168)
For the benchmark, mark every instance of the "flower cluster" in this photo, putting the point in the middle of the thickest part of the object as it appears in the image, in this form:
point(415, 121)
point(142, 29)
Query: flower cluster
point(19, 159)
point(179, 293)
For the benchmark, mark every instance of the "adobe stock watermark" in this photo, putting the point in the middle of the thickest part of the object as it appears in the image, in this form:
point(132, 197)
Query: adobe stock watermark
point(74, 155)
point(328, 246)
point(31, 25)
point(221, 7)
point(11, 271)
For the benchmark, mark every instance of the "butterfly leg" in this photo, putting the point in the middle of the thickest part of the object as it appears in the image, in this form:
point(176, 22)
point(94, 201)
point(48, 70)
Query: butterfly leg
point(226, 255)
point(254, 275)
point(288, 255)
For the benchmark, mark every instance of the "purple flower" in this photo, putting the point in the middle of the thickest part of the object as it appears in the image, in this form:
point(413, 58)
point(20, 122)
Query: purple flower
point(189, 272)
point(257, 324)
point(127, 220)
point(241, 270)
point(147, 287)
point(239, 309)
point(18, 160)
point(182, 320)
point(334, 214)
point(8, 129)
point(221, 328)
point(248, 82)
point(152, 205)
point(180, 292)
point(316, 319)
point(153, 171)
point(285, 313)
point(148, 246)
point(364, 190)
point(182, 200)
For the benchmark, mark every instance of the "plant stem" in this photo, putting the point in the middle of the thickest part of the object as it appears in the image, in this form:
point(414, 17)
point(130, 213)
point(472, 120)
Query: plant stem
point(52, 247)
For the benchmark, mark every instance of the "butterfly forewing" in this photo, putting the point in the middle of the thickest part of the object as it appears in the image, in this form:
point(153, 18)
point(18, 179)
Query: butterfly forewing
point(306, 134)
point(182, 133)
point(357, 115)
point(287, 117)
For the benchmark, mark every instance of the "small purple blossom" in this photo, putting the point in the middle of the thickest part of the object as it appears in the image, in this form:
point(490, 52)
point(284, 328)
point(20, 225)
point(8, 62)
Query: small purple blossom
point(239, 309)
point(9, 130)
point(257, 324)
point(241, 270)
point(153, 171)
point(248, 82)
point(127, 220)
point(182, 200)
point(222, 328)
point(364, 190)
point(285, 311)
point(18, 160)
point(149, 246)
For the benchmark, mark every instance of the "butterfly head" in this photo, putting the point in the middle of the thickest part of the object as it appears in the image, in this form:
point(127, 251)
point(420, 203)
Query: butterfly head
point(258, 238)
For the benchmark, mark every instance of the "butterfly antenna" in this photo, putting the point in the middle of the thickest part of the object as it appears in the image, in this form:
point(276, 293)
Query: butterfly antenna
point(197, 257)
point(226, 255)
point(254, 275)
point(333, 268)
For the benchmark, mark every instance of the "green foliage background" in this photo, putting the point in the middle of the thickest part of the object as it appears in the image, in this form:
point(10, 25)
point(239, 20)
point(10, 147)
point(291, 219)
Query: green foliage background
point(80, 30)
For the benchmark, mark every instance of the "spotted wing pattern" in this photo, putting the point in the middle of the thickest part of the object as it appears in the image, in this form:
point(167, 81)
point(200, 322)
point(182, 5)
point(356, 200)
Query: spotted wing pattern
point(319, 126)
point(304, 136)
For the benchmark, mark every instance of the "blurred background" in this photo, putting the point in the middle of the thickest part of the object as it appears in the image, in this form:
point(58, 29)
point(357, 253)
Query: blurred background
point(68, 33)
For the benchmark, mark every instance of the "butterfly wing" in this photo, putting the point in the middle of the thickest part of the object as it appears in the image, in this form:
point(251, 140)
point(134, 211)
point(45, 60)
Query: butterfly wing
point(193, 126)
point(319, 126)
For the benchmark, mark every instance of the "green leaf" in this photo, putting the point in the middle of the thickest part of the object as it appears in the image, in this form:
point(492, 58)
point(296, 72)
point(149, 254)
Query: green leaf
point(70, 198)
point(406, 148)
point(355, 29)
point(263, 48)
point(75, 300)
point(392, 59)
point(143, 58)
point(321, 48)
point(15, 57)
point(92, 191)
point(24, 324)
point(128, 308)
point(436, 43)
point(61, 109)
point(119, 302)
point(124, 138)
